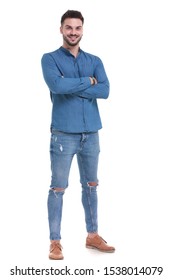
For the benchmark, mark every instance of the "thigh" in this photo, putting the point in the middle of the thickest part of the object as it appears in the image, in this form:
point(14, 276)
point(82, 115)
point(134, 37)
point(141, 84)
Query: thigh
point(88, 159)
point(62, 150)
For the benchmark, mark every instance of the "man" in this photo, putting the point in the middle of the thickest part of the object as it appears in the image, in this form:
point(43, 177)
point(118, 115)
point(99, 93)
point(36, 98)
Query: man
point(75, 80)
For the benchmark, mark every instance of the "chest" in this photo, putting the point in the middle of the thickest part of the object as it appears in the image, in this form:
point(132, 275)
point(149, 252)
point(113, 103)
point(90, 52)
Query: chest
point(76, 67)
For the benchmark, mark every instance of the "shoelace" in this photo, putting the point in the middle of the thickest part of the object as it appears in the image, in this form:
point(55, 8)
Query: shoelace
point(103, 239)
point(54, 245)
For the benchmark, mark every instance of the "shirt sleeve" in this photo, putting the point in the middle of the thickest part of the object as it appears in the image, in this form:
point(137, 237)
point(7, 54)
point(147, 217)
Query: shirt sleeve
point(102, 88)
point(55, 81)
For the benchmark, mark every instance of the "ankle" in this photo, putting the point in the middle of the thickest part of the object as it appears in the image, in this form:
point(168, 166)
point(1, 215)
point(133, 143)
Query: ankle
point(54, 241)
point(92, 234)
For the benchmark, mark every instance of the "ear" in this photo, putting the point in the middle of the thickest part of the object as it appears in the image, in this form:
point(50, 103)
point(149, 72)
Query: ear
point(60, 29)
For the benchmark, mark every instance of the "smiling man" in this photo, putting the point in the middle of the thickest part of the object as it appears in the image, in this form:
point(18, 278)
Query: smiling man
point(76, 80)
point(72, 31)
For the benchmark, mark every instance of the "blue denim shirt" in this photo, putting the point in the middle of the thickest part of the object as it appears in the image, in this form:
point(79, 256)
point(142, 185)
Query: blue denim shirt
point(74, 99)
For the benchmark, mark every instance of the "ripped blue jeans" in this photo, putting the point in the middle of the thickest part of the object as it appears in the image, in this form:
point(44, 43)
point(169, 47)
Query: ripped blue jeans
point(63, 147)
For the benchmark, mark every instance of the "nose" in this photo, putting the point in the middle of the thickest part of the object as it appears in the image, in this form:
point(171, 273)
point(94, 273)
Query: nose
point(73, 32)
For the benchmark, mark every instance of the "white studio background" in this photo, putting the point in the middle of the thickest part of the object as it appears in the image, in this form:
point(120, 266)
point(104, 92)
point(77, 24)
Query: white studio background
point(134, 40)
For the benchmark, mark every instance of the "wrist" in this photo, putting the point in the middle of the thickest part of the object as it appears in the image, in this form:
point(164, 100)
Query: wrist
point(93, 81)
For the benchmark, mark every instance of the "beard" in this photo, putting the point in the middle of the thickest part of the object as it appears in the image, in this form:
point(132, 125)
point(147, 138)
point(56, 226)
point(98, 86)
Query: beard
point(70, 43)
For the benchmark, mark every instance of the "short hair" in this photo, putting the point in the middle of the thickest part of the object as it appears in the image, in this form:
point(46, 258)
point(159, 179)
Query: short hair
point(72, 14)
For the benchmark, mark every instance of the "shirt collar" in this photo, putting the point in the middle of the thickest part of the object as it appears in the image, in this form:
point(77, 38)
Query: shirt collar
point(66, 51)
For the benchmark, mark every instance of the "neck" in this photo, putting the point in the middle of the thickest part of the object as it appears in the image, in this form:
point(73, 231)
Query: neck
point(72, 49)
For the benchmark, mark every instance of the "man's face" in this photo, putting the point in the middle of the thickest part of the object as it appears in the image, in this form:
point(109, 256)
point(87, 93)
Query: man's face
point(72, 31)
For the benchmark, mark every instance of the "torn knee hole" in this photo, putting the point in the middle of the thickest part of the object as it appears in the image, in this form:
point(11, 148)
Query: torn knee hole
point(58, 189)
point(92, 184)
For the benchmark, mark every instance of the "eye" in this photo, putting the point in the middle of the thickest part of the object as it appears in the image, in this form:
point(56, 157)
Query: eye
point(68, 27)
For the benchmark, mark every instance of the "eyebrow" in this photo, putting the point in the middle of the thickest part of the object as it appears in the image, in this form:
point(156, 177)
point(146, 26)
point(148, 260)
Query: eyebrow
point(67, 25)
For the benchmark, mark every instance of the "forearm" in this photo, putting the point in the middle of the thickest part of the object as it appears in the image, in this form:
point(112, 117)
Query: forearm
point(98, 90)
point(86, 87)
point(57, 83)
point(60, 85)
point(100, 84)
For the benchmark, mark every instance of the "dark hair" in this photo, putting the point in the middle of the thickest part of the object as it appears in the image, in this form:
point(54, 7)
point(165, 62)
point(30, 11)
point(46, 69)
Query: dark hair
point(72, 14)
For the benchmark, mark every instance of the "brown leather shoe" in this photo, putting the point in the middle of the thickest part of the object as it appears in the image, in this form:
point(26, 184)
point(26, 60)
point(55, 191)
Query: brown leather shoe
point(55, 250)
point(99, 243)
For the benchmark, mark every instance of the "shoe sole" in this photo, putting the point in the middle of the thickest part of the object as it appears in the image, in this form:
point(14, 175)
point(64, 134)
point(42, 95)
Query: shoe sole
point(95, 248)
point(55, 258)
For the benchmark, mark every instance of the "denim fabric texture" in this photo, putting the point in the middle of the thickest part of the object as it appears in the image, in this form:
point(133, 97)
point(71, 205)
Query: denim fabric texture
point(63, 147)
point(74, 99)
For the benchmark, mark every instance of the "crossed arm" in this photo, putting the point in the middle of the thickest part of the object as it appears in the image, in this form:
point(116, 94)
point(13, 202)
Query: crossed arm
point(87, 87)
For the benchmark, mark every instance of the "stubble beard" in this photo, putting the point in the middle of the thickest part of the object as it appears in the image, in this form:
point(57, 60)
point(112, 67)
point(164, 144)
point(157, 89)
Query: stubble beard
point(71, 44)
